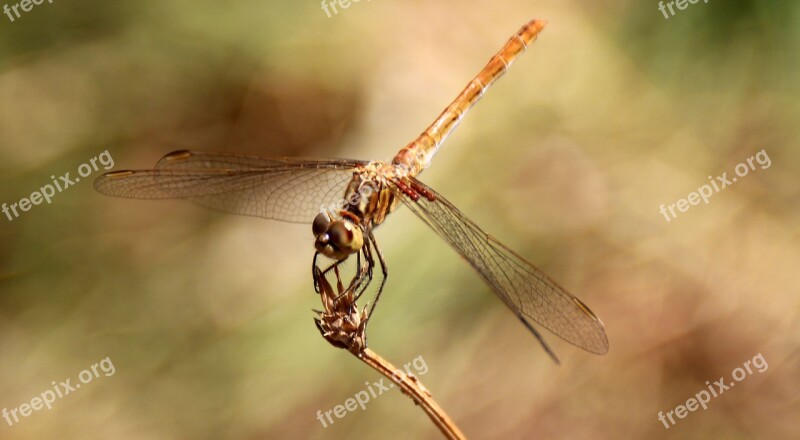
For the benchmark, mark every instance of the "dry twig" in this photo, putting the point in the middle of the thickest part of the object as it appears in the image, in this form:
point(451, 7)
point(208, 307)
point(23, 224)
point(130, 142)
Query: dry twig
point(342, 324)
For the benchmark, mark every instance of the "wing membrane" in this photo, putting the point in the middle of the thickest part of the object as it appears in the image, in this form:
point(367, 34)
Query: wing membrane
point(291, 190)
point(522, 287)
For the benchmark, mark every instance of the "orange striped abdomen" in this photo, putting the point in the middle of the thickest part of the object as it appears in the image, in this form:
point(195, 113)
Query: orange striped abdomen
point(417, 155)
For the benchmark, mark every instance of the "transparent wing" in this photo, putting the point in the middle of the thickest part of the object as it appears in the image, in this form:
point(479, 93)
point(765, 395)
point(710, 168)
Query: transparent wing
point(525, 289)
point(292, 190)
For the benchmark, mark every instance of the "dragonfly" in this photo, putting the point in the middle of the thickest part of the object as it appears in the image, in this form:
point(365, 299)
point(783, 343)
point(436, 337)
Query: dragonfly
point(345, 200)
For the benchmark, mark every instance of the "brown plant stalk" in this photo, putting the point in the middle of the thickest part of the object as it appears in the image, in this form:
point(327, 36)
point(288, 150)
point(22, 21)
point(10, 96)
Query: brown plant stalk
point(342, 324)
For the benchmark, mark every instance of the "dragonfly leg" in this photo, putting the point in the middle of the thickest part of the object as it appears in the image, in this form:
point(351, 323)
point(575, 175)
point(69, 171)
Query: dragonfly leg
point(363, 276)
point(384, 269)
point(355, 284)
point(370, 264)
point(363, 271)
point(316, 271)
point(314, 268)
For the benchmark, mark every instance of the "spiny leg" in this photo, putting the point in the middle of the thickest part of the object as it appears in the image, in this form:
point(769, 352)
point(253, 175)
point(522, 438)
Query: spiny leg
point(322, 273)
point(316, 273)
point(358, 279)
point(363, 272)
point(370, 264)
point(314, 268)
point(384, 269)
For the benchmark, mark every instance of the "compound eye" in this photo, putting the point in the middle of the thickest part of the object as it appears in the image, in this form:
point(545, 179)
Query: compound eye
point(321, 223)
point(341, 234)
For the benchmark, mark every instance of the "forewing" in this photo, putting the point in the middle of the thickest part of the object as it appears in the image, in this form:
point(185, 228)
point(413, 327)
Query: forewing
point(525, 289)
point(292, 190)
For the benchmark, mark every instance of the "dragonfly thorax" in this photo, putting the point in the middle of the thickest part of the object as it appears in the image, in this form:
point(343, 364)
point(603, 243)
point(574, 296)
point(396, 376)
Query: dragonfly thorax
point(337, 238)
point(369, 196)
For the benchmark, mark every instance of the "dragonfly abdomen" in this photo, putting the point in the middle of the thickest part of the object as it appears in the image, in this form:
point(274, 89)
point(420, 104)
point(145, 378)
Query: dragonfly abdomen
point(417, 155)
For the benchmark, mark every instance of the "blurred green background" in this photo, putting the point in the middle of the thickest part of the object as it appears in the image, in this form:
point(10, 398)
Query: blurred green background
point(614, 111)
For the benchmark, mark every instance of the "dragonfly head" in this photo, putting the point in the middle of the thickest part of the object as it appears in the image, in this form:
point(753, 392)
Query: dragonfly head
point(336, 238)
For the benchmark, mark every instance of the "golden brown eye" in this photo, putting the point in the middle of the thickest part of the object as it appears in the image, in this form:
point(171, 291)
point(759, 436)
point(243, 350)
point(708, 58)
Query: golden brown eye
point(341, 235)
point(320, 225)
